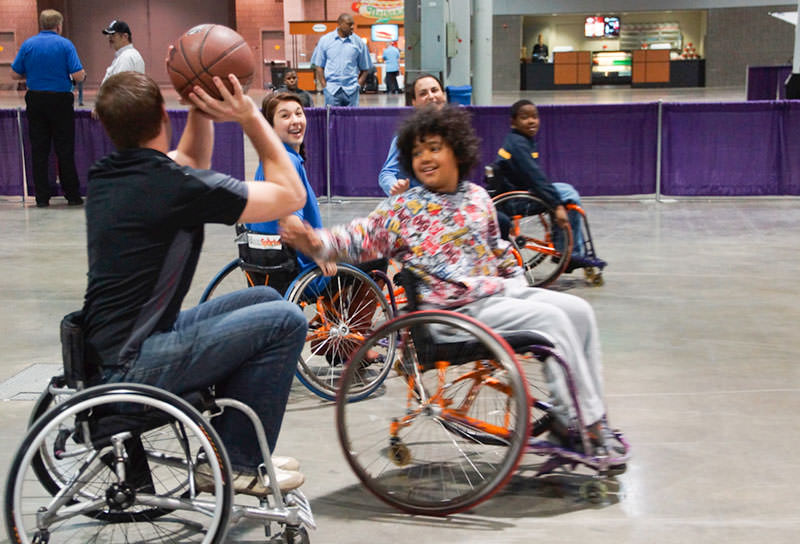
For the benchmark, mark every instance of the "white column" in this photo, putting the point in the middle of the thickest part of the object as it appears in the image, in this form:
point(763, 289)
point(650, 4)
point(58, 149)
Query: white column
point(482, 23)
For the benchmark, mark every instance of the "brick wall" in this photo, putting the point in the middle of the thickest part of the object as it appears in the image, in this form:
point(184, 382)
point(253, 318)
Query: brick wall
point(21, 17)
point(253, 16)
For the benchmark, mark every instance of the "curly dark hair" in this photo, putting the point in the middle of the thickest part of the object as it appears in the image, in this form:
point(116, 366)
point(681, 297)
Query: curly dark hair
point(452, 123)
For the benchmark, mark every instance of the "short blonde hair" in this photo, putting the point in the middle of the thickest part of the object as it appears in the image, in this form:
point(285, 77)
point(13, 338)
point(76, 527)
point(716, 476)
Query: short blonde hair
point(49, 19)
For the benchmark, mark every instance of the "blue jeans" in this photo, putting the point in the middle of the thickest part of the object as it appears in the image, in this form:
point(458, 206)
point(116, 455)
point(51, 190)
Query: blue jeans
point(568, 194)
point(246, 344)
point(340, 98)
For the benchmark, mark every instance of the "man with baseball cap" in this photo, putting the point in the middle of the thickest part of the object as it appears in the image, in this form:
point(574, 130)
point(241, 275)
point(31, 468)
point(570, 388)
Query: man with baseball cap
point(126, 58)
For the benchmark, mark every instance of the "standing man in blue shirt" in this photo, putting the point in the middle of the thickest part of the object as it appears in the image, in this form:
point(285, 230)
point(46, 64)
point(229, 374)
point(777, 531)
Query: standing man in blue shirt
point(342, 62)
point(391, 59)
point(49, 63)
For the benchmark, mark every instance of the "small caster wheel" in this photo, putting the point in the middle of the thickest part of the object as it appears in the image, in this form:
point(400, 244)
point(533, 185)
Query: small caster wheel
point(295, 535)
point(399, 454)
point(594, 491)
point(598, 280)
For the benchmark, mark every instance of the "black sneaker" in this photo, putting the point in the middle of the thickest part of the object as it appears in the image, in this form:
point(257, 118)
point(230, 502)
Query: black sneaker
point(75, 201)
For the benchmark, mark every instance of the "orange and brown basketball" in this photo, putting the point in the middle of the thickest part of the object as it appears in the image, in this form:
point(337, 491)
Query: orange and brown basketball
point(209, 50)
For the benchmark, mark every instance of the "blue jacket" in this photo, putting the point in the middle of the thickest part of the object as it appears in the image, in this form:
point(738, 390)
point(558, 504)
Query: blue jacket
point(518, 165)
point(392, 171)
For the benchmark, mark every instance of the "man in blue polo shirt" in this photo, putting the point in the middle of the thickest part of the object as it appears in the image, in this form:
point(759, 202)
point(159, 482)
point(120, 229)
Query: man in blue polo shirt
point(342, 62)
point(49, 63)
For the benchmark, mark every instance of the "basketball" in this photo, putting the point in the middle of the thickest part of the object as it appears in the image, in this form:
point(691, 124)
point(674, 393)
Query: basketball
point(209, 50)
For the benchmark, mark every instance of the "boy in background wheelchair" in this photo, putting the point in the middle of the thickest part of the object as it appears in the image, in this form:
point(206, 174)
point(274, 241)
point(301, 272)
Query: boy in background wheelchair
point(517, 168)
point(445, 232)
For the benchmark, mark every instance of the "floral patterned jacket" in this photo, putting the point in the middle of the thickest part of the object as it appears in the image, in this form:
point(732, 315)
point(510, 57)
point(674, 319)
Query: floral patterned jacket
point(450, 241)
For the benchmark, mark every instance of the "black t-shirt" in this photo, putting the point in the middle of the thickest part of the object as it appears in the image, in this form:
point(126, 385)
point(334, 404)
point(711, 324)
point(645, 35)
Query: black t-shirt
point(141, 207)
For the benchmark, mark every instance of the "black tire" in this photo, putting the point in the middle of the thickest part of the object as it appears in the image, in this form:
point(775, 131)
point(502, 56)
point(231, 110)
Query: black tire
point(91, 509)
point(543, 255)
point(441, 437)
point(232, 277)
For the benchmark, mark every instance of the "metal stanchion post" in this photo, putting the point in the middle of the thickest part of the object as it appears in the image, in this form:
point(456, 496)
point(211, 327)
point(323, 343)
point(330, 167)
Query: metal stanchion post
point(22, 156)
point(330, 199)
point(658, 151)
point(328, 152)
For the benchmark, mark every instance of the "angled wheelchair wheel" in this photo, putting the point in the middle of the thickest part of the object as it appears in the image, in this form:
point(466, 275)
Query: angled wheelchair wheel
point(231, 278)
point(448, 430)
point(543, 251)
point(132, 481)
point(342, 311)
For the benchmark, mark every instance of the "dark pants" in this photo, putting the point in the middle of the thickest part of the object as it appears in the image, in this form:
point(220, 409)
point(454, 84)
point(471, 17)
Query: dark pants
point(391, 82)
point(51, 121)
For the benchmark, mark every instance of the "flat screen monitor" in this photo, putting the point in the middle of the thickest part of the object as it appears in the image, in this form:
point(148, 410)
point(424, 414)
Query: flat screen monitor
point(385, 33)
point(611, 27)
point(601, 27)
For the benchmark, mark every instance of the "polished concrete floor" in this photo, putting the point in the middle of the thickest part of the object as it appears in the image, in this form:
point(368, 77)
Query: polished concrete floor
point(698, 317)
point(597, 95)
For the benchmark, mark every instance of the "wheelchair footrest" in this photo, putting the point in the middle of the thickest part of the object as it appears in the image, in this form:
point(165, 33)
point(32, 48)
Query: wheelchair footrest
point(297, 499)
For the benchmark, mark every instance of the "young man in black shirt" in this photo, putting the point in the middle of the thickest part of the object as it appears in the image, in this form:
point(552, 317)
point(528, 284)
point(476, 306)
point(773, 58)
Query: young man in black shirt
point(145, 213)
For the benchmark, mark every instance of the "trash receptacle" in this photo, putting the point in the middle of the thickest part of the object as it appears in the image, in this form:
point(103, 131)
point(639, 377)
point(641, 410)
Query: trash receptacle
point(459, 94)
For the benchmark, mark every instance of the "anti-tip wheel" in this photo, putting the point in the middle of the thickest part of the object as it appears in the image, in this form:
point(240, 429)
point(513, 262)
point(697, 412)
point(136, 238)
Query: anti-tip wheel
point(594, 491)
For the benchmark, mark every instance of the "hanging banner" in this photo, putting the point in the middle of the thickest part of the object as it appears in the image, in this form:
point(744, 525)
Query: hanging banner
point(382, 11)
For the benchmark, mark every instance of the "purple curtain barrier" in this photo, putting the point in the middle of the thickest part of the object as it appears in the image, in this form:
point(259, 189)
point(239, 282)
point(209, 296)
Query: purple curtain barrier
point(604, 149)
point(491, 123)
point(228, 156)
point(316, 140)
point(767, 82)
point(359, 140)
point(10, 164)
point(707, 149)
point(92, 143)
point(790, 147)
point(721, 149)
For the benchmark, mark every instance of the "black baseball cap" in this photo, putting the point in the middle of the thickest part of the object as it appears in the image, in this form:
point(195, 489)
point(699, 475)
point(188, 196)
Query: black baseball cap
point(117, 26)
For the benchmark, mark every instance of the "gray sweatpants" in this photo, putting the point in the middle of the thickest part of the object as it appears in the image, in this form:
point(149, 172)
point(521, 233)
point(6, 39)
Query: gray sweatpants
point(569, 321)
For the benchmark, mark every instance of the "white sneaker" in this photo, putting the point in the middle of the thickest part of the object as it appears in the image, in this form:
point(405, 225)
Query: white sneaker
point(285, 463)
point(247, 483)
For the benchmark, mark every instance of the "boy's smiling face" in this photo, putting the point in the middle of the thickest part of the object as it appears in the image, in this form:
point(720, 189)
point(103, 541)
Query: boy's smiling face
point(435, 164)
point(527, 120)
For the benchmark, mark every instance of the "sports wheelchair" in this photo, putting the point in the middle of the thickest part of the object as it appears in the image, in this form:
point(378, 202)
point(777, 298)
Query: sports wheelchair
point(544, 252)
point(116, 463)
point(447, 432)
point(341, 310)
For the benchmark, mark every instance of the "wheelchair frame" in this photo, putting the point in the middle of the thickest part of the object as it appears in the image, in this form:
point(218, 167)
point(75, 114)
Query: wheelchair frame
point(403, 463)
point(98, 434)
point(593, 272)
